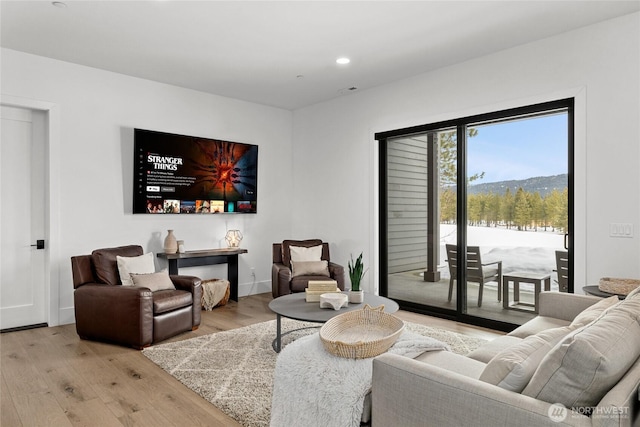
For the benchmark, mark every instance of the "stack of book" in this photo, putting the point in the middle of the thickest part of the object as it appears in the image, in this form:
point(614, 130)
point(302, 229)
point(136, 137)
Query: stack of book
point(319, 287)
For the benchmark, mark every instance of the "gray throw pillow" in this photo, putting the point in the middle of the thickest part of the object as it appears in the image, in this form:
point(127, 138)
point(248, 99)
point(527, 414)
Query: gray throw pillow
point(309, 268)
point(154, 281)
point(584, 366)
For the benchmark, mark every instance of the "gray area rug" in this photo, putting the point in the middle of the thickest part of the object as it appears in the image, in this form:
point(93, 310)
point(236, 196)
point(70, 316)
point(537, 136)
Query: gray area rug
point(234, 369)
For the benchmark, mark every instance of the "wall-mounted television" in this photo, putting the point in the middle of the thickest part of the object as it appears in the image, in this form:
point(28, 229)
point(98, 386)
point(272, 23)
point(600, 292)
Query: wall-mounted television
point(178, 174)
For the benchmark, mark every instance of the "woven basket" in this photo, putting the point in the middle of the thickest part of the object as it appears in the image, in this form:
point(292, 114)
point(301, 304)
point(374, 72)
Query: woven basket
point(362, 333)
point(618, 286)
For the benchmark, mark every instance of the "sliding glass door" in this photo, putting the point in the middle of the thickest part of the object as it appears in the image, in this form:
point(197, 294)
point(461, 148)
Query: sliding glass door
point(517, 211)
point(476, 213)
point(415, 175)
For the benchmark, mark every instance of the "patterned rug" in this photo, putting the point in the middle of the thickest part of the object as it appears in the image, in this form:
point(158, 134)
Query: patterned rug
point(234, 369)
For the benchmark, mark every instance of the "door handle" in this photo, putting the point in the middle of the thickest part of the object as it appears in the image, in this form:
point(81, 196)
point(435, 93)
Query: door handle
point(39, 244)
point(566, 241)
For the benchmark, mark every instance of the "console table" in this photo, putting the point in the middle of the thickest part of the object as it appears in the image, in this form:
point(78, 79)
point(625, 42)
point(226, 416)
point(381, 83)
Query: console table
point(208, 257)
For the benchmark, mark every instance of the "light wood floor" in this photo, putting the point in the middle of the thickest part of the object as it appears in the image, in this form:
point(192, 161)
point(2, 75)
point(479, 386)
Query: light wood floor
point(52, 378)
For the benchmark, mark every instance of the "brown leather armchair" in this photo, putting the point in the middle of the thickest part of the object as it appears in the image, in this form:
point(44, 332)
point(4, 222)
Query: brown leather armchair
point(107, 311)
point(282, 282)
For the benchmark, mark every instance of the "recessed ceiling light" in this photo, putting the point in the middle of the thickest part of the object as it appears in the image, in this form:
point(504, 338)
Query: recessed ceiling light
point(343, 61)
point(59, 4)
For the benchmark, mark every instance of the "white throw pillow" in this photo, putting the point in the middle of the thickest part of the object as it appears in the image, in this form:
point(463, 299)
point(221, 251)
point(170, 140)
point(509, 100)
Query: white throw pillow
point(309, 268)
point(142, 264)
point(154, 281)
point(300, 253)
point(513, 367)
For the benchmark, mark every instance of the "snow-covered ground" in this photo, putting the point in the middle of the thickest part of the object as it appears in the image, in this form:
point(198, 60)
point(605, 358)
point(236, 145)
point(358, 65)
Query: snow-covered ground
point(530, 251)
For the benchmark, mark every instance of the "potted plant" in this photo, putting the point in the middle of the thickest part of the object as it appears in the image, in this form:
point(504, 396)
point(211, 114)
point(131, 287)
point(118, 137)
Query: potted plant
point(356, 273)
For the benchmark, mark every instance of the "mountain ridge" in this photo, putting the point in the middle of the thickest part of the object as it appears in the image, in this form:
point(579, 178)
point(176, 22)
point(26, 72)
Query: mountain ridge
point(542, 184)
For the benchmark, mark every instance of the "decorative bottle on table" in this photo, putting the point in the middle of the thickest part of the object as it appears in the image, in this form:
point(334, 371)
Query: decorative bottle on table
point(170, 243)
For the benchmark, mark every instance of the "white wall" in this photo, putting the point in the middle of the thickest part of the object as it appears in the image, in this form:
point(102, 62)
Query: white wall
point(335, 163)
point(98, 111)
point(322, 182)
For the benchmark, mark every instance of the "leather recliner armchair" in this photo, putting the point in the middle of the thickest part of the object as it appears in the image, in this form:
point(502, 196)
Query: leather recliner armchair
point(134, 316)
point(282, 282)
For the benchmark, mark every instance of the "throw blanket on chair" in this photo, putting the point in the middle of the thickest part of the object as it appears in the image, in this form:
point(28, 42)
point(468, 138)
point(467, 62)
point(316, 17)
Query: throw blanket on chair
point(312, 387)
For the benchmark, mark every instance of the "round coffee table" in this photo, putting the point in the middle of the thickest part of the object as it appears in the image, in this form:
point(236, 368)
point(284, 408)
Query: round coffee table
point(294, 306)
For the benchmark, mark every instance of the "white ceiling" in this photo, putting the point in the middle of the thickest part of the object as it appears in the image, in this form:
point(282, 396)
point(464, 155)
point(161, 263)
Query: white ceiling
point(283, 53)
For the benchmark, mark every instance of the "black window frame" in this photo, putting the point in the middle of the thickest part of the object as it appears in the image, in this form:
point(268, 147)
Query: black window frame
point(461, 124)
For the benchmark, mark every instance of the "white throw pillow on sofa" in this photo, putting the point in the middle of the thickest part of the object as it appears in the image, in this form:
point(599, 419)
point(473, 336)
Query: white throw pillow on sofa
point(514, 366)
point(142, 264)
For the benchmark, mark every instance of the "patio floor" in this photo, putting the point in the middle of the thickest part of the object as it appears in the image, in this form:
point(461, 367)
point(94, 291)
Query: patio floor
point(409, 286)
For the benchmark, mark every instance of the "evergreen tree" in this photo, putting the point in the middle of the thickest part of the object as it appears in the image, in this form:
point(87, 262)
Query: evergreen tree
point(507, 208)
point(448, 156)
point(474, 209)
point(521, 210)
point(493, 209)
point(554, 203)
point(563, 212)
point(537, 209)
point(448, 206)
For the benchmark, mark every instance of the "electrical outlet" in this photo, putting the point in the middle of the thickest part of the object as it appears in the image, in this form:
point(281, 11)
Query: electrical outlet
point(621, 230)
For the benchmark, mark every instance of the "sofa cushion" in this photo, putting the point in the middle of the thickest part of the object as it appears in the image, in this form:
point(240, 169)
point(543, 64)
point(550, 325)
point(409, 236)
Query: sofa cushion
point(142, 264)
point(584, 366)
point(538, 324)
point(453, 362)
point(490, 270)
point(300, 283)
point(591, 313)
point(488, 351)
point(154, 281)
point(309, 268)
point(169, 300)
point(514, 366)
point(104, 262)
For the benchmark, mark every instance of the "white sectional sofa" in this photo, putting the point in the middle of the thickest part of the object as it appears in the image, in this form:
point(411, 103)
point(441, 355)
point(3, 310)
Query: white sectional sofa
point(577, 363)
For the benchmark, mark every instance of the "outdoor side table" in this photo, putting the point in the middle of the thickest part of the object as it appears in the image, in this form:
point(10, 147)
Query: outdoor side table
point(518, 277)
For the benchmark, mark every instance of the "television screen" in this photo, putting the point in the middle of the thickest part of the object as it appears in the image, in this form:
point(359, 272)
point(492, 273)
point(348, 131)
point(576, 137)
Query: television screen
point(177, 174)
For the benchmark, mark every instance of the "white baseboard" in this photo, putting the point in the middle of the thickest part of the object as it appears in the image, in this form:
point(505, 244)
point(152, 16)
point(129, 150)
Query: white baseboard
point(245, 289)
point(65, 316)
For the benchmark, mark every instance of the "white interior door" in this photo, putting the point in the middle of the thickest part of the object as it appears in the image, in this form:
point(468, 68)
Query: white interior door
point(22, 217)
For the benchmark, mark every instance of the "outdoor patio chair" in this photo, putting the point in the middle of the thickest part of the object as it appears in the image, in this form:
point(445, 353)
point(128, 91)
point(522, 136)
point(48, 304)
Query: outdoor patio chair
point(562, 268)
point(477, 271)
